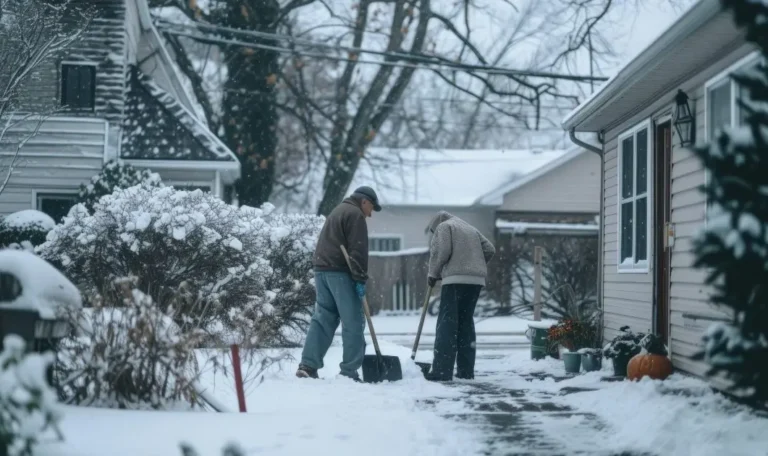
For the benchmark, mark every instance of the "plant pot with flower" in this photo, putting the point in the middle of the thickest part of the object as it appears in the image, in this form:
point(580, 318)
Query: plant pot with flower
point(569, 336)
point(622, 348)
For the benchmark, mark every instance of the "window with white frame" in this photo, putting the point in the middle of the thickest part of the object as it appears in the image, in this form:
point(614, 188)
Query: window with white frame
point(384, 244)
point(633, 198)
point(723, 110)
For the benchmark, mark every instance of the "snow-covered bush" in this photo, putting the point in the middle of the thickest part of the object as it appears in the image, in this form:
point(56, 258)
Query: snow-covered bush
point(133, 356)
point(734, 246)
point(624, 345)
point(25, 229)
point(27, 403)
point(113, 176)
point(222, 268)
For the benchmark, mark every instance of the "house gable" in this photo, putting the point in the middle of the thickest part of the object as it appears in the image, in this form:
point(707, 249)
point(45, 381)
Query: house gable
point(157, 127)
point(573, 186)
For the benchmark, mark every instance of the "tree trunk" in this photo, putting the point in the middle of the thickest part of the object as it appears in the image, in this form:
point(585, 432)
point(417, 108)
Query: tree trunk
point(249, 108)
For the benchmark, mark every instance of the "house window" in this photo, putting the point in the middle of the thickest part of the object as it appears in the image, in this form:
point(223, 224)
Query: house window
point(78, 86)
point(634, 207)
point(56, 205)
point(192, 188)
point(722, 95)
point(384, 244)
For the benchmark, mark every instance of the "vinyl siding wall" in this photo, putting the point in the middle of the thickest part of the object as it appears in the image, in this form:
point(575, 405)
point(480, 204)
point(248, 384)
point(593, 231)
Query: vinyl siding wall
point(628, 297)
point(65, 153)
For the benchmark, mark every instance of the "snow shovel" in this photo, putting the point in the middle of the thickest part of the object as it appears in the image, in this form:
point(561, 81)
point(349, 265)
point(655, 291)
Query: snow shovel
point(423, 366)
point(376, 368)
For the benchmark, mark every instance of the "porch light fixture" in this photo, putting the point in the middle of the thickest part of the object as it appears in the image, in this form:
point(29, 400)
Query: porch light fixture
point(684, 120)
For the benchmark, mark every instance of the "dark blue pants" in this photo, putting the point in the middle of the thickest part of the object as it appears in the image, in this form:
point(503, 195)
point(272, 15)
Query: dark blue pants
point(455, 332)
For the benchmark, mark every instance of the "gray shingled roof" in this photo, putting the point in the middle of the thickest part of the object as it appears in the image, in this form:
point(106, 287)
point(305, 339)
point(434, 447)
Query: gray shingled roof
point(157, 127)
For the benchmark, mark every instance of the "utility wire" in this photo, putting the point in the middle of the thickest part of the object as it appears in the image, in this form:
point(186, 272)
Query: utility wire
point(427, 61)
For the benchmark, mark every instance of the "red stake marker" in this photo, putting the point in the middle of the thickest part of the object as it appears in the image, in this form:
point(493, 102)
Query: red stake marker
point(238, 377)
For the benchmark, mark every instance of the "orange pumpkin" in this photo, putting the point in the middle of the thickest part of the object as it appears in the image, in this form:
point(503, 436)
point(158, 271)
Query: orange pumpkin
point(658, 367)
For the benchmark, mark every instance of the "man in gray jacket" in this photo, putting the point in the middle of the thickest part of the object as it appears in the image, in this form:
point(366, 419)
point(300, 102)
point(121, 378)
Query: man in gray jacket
point(340, 290)
point(459, 255)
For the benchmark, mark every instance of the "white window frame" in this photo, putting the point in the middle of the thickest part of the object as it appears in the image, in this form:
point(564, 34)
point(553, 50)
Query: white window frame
point(644, 266)
point(724, 77)
point(398, 237)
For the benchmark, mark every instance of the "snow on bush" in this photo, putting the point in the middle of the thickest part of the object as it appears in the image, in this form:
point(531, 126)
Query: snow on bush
point(27, 403)
point(133, 356)
point(25, 230)
point(228, 270)
point(114, 176)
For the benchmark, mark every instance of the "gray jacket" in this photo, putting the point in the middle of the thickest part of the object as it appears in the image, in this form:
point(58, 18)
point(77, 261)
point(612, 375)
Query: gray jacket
point(459, 253)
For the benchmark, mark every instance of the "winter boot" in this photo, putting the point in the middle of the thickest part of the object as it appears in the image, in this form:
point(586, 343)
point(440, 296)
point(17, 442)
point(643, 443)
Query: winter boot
point(306, 372)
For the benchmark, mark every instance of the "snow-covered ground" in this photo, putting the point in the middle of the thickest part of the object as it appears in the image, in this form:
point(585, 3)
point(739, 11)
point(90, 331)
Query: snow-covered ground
point(288, 416)
point(680, 416)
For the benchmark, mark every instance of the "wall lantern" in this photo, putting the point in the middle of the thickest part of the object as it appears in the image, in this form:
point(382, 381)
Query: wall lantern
point(684, 121)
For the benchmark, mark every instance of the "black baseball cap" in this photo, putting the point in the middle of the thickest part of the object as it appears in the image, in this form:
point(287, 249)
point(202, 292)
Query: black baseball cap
point(368, 193)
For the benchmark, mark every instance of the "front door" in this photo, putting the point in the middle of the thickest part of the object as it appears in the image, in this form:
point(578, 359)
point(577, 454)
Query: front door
point(662, 227)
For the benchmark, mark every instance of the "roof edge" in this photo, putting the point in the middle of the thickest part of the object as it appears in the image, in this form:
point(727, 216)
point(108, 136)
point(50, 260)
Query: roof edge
point(642, 64)
point(492, 198)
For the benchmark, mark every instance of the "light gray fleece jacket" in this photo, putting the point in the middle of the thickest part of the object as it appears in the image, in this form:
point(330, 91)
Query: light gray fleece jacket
point(458, 252)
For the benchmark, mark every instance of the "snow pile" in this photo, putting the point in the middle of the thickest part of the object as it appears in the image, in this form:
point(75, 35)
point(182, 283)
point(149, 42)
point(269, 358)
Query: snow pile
point(27, 403)
point(222, 268)
point(41, 286)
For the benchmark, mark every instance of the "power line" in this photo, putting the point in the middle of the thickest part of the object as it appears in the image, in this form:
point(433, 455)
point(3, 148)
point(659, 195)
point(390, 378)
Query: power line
point(429, 62)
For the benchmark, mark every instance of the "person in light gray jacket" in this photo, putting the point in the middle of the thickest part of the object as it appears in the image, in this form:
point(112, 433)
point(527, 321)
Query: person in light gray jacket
point(458, 257)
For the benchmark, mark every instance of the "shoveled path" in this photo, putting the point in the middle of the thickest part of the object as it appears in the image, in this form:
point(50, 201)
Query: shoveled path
point(520, 421)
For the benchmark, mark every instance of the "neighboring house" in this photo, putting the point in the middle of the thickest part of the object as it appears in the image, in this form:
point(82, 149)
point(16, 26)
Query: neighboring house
point(558, 201)
point(120, 97)
point(479, 186)
point(652, 204)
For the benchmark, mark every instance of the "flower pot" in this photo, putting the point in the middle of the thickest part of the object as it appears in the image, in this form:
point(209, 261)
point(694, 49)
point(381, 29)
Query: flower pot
point(620, 365)
point(538, 338)
point(590, 362)
point(572, 362)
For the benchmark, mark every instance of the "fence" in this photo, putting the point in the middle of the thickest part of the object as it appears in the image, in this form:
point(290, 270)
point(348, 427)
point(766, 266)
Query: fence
point(398, 280)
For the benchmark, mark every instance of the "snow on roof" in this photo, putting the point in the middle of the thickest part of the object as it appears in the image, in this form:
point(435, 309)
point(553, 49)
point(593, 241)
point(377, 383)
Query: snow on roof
point(443, 177)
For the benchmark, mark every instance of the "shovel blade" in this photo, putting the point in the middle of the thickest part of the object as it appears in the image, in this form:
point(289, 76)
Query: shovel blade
point(424, 367)
point(381, 368)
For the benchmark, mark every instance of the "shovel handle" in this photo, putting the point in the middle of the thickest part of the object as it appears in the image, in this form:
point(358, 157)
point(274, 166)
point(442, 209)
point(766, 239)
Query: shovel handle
point(421, 323)
point(365, 308)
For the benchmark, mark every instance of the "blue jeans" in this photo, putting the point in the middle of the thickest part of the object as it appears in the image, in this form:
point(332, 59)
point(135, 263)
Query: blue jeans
point(336, 301)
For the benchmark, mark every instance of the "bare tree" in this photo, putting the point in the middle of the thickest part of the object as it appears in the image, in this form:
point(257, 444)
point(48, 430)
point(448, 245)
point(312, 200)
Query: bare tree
point(334, 78)
point(31, 33)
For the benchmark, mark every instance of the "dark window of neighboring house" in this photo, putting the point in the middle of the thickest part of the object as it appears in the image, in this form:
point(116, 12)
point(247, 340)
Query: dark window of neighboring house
point(192, 188)
point(382, 244)
point(56, 205)
point(78, 86)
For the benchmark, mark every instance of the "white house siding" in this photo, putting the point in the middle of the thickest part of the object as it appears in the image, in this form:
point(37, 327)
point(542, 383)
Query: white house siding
point(572, 187)
point(65, 153)
point(409, 223)
point(628, 297)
